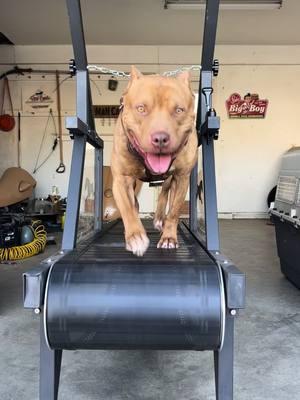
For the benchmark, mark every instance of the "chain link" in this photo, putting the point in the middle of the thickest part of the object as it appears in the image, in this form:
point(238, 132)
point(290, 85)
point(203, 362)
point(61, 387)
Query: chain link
point(122, 74)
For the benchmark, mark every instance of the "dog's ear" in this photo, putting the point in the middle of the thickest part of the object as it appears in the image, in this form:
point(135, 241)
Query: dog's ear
point(184, 77)
point(135, 73)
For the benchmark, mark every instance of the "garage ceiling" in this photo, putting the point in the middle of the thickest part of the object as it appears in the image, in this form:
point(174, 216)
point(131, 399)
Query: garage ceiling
point(134, 22)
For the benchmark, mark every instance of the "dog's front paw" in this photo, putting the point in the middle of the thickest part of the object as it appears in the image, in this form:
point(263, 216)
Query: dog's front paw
point(158, 224)
point(138, 243)
point(167, 243)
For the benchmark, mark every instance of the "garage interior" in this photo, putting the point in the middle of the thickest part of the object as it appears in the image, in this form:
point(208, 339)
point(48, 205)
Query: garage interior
point(259, 52)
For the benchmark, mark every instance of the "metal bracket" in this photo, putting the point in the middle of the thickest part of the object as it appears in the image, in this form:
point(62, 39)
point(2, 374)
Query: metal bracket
point(72, 67)
point(34, 282)
point(77, 127)
point(235, 282)
point(208, 91)
point(211, 126)
point(215, 67)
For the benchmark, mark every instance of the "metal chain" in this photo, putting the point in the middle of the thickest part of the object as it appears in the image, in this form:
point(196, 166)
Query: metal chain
point(122, 74)
point(181, 69)
point(107, 71)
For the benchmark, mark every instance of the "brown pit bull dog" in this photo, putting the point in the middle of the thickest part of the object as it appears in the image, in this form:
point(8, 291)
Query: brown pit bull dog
point(155, 139)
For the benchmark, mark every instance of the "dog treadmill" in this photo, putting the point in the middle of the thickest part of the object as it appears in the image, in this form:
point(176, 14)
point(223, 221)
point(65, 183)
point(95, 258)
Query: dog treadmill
point(96, 295)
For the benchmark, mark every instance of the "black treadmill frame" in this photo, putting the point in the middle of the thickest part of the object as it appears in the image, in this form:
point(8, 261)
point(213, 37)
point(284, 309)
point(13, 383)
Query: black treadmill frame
point(82, 130)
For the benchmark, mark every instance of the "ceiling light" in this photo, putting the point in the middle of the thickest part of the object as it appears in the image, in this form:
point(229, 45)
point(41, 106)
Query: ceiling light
point(224, 4)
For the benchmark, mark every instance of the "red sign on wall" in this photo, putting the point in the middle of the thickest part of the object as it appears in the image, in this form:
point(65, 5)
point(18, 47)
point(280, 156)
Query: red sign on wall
point(249, 107)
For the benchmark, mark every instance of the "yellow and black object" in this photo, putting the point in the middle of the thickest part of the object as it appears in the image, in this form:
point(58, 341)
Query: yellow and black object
point(27, 250)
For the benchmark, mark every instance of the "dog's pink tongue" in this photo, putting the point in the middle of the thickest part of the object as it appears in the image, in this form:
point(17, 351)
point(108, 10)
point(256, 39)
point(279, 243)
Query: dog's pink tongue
point(159, 163)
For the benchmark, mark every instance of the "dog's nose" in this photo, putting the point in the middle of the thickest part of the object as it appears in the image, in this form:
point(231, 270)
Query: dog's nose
point(160, 139)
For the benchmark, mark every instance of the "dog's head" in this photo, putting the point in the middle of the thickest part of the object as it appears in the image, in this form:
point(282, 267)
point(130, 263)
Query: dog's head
point(158, 116)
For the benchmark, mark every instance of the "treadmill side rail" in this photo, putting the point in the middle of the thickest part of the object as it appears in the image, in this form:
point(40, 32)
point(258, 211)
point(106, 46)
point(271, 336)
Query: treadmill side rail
point(34, 282)
point(234, 280)
point(34, 286)
point(235, 286)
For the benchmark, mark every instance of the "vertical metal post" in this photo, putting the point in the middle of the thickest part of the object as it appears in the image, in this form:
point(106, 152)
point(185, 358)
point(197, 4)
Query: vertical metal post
point(209, 172)
point(210, 196)
point(84, 113)
point(50, 365)
point(223, 363)
point(210, 33)
point(193, 206)
point(77, 34)
point(209, 178)
point(74, 193)
point(77, 165)
point(98, 188)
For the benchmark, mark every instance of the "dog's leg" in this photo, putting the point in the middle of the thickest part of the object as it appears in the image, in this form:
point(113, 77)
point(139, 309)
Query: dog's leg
point(136, 204)
point(135, 235)
point(160, 213)
point(172, 192)
point(178, 191)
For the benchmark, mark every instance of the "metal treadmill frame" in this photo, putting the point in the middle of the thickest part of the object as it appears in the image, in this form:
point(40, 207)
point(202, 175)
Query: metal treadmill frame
point(82, 130)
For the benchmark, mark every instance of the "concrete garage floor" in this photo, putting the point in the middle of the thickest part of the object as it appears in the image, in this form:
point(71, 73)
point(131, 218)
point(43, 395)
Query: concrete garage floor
point(267, 362)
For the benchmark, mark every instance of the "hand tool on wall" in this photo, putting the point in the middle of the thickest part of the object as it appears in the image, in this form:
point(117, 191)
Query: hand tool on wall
point(38, 163)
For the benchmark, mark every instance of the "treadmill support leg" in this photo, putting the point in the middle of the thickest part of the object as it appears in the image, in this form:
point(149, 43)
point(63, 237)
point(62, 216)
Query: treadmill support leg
point(50, 364)
point(223, 361)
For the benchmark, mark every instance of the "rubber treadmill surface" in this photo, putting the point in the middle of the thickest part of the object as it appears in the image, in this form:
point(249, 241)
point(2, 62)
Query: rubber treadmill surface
point(108, 247)
point(101, 296)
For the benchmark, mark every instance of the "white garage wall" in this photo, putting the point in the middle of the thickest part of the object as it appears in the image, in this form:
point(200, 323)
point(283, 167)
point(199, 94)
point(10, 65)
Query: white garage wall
point(248, 151)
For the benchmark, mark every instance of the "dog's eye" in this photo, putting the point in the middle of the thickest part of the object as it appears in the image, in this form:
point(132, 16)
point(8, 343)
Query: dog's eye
point(141, 108)
point(179, 110)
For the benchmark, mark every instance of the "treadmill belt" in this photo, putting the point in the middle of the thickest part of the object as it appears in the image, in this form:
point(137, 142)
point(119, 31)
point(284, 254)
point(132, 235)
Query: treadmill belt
point(108, 247)
point(101, 296)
